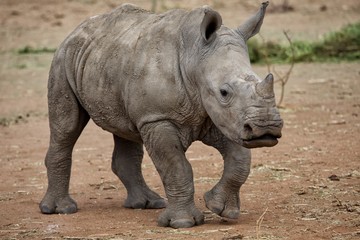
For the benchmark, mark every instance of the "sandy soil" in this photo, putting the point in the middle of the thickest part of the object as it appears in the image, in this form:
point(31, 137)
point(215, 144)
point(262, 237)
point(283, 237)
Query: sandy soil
point(307, 187)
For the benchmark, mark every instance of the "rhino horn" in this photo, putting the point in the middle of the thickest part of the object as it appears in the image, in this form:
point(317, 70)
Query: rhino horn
point(252, 26)
point(265, 88)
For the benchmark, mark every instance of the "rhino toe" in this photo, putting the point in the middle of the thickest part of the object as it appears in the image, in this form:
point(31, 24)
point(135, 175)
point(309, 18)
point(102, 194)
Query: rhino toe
point(215, 206)
point(184, 218)
point(224, 207)
point(50, 205)
point(156, 203)
point(67, 207)
point(230, 213)
point(182, 223)
point(144, 198)
point(44, 208)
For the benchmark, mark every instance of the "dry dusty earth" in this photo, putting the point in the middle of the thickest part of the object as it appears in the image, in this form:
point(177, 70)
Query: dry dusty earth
point(307, 187)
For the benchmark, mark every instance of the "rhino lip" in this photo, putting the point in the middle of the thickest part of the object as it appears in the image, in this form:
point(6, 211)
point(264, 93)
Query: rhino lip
point(266, 140)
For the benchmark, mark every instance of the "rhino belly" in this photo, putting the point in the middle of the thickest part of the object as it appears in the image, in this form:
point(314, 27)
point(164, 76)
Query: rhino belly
point(107, 110)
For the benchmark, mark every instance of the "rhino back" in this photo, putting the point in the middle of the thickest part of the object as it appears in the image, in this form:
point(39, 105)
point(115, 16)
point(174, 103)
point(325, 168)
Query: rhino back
point(124, 68)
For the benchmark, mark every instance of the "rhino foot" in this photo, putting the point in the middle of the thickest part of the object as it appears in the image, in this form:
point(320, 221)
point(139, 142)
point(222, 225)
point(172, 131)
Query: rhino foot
point(144, 199)
point(184, 218)
point(224, 205)
point(65, 205)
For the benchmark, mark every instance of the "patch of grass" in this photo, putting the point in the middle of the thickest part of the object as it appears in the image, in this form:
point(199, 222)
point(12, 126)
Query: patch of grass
point(32, 50)
point(21, 66)
point(343, 45)
point(20, 118)
point(4, 121)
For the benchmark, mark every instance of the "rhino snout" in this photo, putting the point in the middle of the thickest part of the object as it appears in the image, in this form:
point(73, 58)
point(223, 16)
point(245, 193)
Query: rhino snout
point(261, 133)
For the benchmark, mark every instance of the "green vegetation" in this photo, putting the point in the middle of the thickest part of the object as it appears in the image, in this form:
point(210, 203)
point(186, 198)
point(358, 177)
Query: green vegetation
point(21, 66)
point(343, 45)
point(31, 50)
point(4, 121)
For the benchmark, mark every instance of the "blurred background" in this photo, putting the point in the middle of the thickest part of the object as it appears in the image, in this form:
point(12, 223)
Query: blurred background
point(307, 187)
point(32, 30)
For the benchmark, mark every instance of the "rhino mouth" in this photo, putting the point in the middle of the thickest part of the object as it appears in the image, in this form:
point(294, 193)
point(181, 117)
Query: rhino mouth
point(266, 140)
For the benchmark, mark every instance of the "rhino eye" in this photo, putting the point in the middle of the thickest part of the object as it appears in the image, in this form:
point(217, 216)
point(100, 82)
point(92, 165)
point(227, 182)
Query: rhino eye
point(224, 92)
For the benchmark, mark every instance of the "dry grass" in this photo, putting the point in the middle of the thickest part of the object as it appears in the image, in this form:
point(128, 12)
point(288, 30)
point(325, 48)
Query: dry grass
point(259, 222)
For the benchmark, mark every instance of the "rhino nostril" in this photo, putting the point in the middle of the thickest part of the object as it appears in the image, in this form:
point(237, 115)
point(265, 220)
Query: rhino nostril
point(248, 129)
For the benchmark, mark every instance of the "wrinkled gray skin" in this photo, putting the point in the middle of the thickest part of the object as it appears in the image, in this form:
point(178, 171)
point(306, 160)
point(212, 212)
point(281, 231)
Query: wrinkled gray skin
point(162, 81)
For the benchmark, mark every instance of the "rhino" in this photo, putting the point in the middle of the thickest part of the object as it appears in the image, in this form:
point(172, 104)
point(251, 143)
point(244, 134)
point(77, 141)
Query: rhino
point(161, 81)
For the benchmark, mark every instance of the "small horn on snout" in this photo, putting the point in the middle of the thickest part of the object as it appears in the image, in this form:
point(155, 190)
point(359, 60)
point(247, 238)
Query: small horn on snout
point(265, 88)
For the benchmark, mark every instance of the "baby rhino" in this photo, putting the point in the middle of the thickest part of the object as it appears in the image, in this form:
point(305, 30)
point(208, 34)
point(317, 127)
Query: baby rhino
point(161, 81)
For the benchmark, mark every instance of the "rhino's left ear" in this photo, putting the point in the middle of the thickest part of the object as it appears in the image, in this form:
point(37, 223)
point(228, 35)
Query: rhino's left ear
point(210, 24)
point(252, 26)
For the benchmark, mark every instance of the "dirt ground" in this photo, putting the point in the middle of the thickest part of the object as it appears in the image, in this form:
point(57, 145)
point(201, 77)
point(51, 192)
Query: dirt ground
point(307, 187)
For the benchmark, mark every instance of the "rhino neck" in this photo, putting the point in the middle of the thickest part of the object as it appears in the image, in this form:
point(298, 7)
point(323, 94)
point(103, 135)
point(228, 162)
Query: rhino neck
point(191, 88)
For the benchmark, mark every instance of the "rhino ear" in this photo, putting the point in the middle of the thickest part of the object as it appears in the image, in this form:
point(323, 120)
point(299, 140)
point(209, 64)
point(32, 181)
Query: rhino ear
point(210, 24)
point(252, 26)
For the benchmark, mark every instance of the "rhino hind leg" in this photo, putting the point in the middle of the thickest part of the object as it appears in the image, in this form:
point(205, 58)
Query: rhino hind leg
point(67, 120)
point(126, 164)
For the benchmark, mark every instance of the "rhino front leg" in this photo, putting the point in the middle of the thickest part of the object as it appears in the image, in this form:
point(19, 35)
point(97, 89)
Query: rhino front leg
point(223, 199)
point(168, 154)
point(126, 164)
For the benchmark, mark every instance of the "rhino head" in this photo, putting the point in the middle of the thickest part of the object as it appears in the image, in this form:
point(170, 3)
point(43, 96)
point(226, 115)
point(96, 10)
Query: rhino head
point(240, 104)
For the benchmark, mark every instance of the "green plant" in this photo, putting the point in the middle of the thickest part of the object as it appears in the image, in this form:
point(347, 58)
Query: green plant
point(31, 50)
point(21, 66)
point(343, 45)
